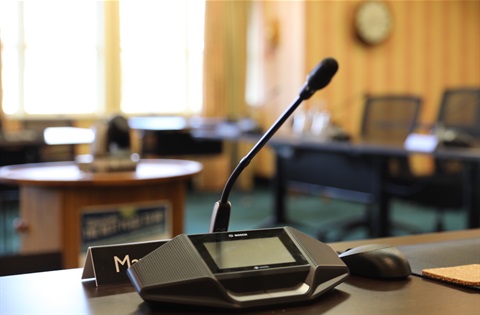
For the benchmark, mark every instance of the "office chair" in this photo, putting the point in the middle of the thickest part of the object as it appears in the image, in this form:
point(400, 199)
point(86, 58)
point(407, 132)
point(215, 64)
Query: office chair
point(458, 124)
point(51, 153)
point(387, 119)
point(460, 112)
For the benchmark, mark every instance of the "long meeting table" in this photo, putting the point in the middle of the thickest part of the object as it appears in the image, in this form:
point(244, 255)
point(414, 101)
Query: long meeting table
point(356, 170)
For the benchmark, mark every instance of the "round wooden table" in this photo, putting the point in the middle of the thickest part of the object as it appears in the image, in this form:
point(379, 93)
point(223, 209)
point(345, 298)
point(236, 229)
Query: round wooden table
point(53, 196)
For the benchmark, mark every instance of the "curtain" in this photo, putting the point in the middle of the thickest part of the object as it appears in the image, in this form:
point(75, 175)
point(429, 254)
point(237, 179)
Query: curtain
point(225, 58)
point(225, 54)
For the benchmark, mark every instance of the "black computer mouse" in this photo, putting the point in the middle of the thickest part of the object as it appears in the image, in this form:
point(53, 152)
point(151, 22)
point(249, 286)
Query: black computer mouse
point(377, 261)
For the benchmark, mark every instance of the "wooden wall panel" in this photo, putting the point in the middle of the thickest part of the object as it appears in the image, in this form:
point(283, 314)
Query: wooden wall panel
point(434, 45)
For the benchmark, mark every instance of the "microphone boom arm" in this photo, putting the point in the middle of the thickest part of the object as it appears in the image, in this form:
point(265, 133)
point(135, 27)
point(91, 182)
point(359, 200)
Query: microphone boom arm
point(258, 146)
point(221, 211)
point(317, 79)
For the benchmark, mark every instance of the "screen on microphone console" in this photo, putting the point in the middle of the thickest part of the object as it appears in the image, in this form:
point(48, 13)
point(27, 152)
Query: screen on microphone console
point(249, 252)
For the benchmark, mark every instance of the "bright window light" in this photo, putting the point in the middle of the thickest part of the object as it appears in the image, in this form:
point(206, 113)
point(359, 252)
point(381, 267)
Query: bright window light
point(53, 56)
point(49, 64)
point(161, 56)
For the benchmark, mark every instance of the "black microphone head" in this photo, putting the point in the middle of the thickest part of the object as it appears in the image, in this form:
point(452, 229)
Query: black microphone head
point(319, 77)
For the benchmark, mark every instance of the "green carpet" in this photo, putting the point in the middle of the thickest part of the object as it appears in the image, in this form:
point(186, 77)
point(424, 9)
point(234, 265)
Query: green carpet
point(252, 209)
point(308, 213)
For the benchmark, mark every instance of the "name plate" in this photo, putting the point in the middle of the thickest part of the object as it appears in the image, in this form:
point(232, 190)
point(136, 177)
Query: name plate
point(125, 223)
point(421, 142)
point(108, 264)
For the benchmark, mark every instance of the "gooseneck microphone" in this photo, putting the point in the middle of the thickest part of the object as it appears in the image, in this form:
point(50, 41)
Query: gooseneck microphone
point(317, 79)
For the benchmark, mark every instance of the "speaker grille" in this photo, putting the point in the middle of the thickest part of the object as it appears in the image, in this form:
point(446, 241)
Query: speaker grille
point(318, 252)
point(175, 261)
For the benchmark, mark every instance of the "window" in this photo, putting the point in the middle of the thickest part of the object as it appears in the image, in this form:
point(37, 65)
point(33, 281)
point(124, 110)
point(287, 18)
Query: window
point(57, 56)
point(161, 55)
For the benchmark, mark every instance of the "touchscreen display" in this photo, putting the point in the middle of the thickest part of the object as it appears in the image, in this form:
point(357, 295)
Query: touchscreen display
point(249, 252)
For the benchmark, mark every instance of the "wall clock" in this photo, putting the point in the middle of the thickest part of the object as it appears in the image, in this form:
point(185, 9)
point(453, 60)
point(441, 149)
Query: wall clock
point(373, 22)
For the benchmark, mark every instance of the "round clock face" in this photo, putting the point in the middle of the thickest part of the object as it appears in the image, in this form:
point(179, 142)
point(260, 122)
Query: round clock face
point(373, 22)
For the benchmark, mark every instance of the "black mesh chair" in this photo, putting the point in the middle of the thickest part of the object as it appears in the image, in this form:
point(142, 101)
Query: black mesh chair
point(460, 112)
point(51, 153)
point(458, 124)
point(387, 119)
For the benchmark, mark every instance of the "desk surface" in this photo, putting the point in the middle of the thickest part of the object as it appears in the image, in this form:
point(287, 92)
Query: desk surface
point(62, 292)
point(373, 148)
point(356, 170)
point(68, 173)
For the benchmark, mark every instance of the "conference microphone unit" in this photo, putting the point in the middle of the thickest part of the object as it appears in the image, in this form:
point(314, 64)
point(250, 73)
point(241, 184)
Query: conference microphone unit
point(317, 79)
point(243, 269)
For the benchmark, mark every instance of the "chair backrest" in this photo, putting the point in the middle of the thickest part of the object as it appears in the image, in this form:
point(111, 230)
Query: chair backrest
point(51, 153)
point(389, 118)
point(460, 111)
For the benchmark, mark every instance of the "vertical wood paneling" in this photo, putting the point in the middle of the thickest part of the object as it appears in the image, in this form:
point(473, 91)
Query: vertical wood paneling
point(412, 47)
point(320, 36)
point(470, 48)
point(434, 45)
point(347, 89)
point(433, 54)
point(330, 45)
point(394, 56)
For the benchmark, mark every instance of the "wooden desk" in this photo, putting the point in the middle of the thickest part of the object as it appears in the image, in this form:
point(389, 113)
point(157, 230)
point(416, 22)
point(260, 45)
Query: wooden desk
point(54, 194)
point(356, 170)
point(63, 292)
